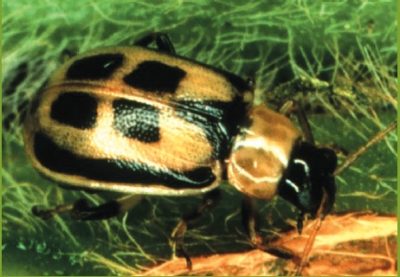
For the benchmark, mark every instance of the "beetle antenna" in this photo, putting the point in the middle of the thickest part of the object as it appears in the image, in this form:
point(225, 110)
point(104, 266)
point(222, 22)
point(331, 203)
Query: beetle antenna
point(304, 123)
point(360, 151)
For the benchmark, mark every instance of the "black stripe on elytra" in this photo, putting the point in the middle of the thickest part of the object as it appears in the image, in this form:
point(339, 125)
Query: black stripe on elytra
point(155, 76)
point(60, 160)
point(220, 121)
point(236, 81)
point(96, 67)
point(136, 120)
point(76, 109)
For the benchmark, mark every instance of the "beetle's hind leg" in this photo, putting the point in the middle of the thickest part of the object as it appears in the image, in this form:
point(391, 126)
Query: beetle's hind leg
point(161, 39)
point(177, 236)
point(49, 213)
point(81, 210)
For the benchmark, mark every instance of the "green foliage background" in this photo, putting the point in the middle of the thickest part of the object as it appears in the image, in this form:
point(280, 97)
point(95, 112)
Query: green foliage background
point(337, 58)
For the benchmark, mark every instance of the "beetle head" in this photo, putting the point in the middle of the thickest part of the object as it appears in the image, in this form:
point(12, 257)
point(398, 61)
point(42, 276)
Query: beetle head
point(308, 177)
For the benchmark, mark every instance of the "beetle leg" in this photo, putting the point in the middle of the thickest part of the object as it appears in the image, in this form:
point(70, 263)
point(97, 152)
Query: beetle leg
point(209, 200)
point(81, 210)
point(67, 54)
point(161, 39)
point(49, 213)
point(300, 222)
point(250, 223)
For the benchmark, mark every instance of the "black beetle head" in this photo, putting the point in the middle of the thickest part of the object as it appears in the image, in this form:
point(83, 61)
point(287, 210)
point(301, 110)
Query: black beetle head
point(309, 174)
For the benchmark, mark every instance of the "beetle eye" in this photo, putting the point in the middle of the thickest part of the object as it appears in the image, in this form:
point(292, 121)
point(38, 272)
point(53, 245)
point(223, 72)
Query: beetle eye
point(330, 159)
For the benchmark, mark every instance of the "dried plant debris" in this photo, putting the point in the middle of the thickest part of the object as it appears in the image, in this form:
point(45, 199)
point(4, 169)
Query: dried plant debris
point(350, 244)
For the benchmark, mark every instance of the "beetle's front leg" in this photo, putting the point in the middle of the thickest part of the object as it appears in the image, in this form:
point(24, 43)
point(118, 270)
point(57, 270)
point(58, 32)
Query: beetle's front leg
point(251, 226)
point(81, 210)
point(177, 235)
point(250, 222)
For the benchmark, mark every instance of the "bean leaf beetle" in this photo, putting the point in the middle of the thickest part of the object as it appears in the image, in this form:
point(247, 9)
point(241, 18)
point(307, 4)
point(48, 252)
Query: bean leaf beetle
point(144, 121)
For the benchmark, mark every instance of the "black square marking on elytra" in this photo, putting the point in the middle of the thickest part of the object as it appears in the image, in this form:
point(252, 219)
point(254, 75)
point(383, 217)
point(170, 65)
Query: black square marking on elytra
point(155, 76)
point(76, 109)
point(96, 67)
point(136, 120)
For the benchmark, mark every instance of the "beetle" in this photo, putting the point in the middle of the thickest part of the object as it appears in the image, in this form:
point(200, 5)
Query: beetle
point(145, 121)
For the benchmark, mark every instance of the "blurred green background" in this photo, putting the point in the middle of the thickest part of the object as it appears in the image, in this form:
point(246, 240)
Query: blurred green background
point(338, 58)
